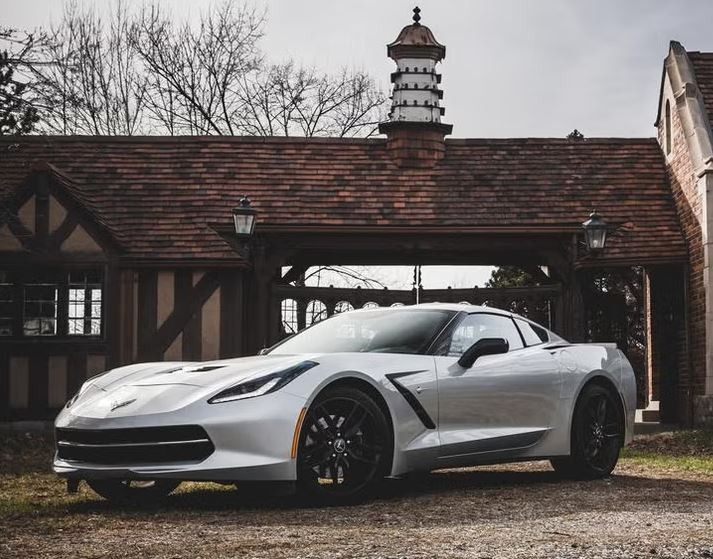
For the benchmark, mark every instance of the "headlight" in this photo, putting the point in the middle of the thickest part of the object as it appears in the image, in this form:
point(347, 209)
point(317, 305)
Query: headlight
point(83, 388)
point(81, 391)
point(262, 385)
point(73, 399)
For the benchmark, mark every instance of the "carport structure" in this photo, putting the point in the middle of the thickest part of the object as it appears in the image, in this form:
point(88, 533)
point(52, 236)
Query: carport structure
point(485, 202)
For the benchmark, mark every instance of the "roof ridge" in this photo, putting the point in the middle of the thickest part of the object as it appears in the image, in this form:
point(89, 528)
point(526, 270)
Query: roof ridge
point(34, 138)
point(555, 140)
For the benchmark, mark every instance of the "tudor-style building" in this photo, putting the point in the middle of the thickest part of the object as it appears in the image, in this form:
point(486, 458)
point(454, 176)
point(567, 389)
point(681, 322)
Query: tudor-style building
point(120, 249)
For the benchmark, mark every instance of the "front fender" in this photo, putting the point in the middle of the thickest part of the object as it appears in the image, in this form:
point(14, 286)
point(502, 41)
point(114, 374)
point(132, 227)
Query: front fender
point(415, 445)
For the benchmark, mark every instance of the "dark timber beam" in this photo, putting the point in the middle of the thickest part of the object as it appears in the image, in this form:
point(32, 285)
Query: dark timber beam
point(294, 273)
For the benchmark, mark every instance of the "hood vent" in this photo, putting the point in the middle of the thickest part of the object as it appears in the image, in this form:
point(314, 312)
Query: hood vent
point(191, 369)
point(203, 369)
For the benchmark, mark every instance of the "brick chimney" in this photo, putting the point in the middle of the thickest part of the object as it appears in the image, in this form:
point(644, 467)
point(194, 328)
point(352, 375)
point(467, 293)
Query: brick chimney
point(415, 133)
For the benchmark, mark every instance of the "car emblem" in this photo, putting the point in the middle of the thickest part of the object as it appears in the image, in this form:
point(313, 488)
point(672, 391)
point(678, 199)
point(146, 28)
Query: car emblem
point(116, 405)
point(340, 445)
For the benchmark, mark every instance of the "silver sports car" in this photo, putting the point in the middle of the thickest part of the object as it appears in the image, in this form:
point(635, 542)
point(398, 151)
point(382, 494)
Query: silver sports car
point(358, 397)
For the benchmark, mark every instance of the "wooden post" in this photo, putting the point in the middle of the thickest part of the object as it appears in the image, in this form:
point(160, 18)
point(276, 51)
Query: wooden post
point(112, 319)
point(232, 315)
point(569, 311)
point(263, 313)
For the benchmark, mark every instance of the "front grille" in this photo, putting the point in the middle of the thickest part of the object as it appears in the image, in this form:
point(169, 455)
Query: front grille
point(144, 445)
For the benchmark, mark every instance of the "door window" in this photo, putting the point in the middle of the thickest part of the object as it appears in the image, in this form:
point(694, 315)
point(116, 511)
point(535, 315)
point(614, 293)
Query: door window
point(475, 327)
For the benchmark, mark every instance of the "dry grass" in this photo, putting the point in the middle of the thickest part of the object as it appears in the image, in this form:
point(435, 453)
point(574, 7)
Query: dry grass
point(655, 505)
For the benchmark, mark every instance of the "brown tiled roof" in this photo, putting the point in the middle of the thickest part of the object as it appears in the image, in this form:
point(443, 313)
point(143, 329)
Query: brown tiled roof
point(703, 67)
point(161, 196)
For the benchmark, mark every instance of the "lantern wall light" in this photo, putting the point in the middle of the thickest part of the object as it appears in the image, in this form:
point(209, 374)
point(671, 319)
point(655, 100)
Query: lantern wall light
point(244, 218)
point(595, 232)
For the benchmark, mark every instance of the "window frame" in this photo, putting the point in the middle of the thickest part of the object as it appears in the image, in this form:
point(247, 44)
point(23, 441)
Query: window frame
point(541, 342)
point(22, 277)
point(668, 141)
point(448, 331)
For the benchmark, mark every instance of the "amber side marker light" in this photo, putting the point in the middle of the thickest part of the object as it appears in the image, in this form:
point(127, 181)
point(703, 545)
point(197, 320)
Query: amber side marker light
point(298, 428)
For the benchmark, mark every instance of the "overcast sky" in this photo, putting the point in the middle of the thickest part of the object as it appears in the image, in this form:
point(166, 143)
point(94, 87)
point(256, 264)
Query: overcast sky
point(513, 67)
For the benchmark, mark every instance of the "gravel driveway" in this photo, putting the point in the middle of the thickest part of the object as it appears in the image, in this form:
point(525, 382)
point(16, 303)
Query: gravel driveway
point(505, 511)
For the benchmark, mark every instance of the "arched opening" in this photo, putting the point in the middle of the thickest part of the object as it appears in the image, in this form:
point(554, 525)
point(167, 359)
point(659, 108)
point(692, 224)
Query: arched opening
point(316, 311)
point(288, 311)
point(343, 306)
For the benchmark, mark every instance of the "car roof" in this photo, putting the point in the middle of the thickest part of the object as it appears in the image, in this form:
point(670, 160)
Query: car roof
point(458, 307)
point(467, 308)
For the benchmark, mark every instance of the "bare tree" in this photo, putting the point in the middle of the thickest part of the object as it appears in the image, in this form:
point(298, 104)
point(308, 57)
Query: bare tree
point(20, 55)
point(144, 72)
point(92, 83)
point(196, 71)
point(350, 276)
point(289, 100)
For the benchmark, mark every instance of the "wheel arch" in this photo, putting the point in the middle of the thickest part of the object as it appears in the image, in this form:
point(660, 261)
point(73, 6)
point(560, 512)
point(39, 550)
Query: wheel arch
point(370, 390)
point(599, 379)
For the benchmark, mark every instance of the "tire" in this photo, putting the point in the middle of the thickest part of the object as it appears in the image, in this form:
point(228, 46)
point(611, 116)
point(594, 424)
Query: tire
point(597, 435)
point(133, 491)
point(345, 447)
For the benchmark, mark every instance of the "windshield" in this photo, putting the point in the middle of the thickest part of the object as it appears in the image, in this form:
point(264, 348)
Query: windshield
point(382, 331)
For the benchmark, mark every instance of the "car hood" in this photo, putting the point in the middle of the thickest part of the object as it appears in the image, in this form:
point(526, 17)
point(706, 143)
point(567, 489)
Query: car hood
point(150, 388)
point(200, 374)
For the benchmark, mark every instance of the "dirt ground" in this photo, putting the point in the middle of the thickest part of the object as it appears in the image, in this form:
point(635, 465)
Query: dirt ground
point(647, 509)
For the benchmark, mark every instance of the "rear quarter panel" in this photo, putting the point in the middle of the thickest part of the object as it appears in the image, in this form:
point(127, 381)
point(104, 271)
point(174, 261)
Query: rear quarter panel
point(583, 362)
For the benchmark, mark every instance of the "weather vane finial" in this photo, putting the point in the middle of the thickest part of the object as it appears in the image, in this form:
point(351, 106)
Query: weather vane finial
point(416, 16)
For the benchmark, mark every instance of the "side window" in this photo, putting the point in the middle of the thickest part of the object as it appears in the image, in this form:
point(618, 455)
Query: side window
point(46, 302)
point(533, 334)
point(477, 326)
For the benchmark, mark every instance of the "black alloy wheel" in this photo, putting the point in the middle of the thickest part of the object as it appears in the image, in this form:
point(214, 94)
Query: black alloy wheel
point(345, 446)
point(137, 491)
point(597, 435)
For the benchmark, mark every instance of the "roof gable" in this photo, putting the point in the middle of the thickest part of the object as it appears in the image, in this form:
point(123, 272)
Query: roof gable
point(687, 92)
point(46, 213)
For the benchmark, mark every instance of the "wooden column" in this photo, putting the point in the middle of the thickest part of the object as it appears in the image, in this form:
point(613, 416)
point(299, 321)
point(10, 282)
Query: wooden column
point(147, 316)
point(263, 313)
point(112, 319)
point(569, 309)
point(232, 314)
point(574, 308)
point(128, 317)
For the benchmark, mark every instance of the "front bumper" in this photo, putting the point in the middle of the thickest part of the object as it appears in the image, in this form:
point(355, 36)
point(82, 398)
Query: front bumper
point(252, 441)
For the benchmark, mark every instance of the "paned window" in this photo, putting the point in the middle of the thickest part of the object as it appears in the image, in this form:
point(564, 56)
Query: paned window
point(46, 303)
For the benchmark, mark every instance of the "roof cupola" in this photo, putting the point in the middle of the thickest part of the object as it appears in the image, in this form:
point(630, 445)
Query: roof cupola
point(414, 129)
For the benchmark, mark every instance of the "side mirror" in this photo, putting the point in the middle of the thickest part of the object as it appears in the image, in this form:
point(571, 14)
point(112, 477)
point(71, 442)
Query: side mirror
point(484, 346)
point(263, 351)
